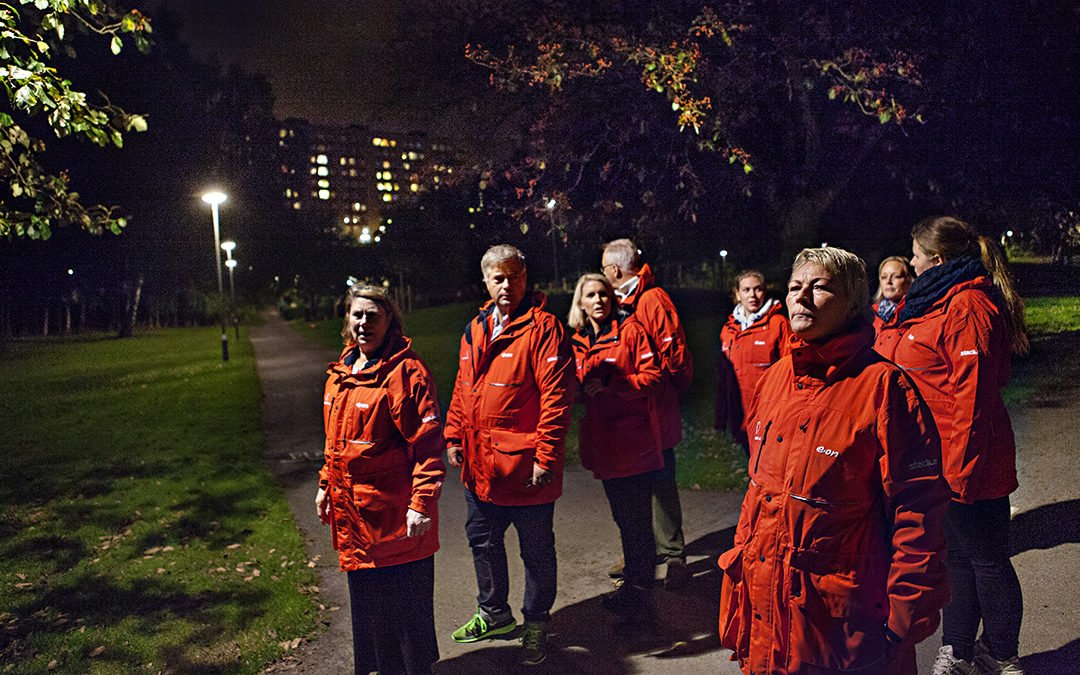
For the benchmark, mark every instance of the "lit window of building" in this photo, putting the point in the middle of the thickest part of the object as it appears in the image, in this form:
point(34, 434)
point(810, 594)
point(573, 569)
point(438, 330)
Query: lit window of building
point(356, 206)
point(385, 164)
point(296, 205)
point(283, 133)
point(352, 161)
point(324, 194)
point(323, 171)
point(321, 159)
point(342, 161)
point(313, 171)
point(406, 166)
point(388, 197)
point(352, 173)
point(413, 187)
point(323, 183)
point(376, 141)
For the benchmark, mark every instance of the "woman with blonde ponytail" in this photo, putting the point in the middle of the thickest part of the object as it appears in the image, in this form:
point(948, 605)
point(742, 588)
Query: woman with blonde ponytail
point(957, 328)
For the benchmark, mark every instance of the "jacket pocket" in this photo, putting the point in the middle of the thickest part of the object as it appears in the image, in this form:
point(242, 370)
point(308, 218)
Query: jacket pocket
point(382, 501)
point(734, 603)
point(830, 626)
point(513, 453)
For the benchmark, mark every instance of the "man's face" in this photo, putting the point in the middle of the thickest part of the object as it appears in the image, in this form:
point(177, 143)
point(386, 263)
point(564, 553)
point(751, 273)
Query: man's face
point(506, 284)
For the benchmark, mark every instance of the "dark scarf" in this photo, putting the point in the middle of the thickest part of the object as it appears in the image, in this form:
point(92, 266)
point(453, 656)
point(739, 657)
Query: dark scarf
point(934, 283)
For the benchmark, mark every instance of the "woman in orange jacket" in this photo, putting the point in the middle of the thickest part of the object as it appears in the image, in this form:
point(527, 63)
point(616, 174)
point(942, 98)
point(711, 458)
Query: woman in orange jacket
point(620, 441)
point(838, 563)
point(956, 331)
point(753, 338)
point(379, 487)
point(894, 280)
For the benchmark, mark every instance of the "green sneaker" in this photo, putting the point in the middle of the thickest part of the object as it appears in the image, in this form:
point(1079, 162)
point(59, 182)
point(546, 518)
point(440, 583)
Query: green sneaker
point(479, 629)
point(533, 644)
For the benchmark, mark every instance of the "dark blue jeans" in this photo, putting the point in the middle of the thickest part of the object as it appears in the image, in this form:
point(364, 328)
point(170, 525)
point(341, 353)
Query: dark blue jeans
point(983, 581)
point(631, 507)
point(485, 526)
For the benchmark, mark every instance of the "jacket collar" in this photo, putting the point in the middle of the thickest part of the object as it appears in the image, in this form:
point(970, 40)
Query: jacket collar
point(646, 280)
point(828, 360)
point(609, 332)
point(772, 307)
point(522, 315)
point(937, 283)
point(392, 353)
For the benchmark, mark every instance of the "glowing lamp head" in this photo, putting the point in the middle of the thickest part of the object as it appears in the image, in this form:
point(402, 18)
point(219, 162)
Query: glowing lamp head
point(214, 197)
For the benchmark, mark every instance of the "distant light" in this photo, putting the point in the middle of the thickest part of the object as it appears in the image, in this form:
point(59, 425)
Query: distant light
point(824, 244)
point(365, 238)
point(228, 246)
point(551, 204)
point(1008, 233)
point(230, 263)
point(321, 159)
point(70, 271)
point(214, 197)
point(324, 194)
point(377, 239)
point(723, 253)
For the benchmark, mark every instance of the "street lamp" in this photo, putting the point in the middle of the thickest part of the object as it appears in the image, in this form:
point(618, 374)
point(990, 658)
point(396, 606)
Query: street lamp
point(228, 247)
point(214, 198)
point(723, 267)
point(550, 206)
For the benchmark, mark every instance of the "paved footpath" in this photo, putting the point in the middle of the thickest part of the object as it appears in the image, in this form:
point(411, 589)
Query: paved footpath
point(292, 370)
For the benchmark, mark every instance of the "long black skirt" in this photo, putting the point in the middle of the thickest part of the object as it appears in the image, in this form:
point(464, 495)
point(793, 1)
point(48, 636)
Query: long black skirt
point(393, 618)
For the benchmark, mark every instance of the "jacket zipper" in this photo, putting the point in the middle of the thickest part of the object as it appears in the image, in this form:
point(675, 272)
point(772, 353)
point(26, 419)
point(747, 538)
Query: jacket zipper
point(761, 447)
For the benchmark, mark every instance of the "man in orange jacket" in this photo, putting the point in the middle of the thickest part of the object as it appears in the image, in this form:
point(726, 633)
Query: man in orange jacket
point(506, 429)
point(639, 295)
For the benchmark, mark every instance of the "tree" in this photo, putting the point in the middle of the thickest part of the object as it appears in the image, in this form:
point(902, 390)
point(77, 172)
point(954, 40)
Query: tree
point(32, 38)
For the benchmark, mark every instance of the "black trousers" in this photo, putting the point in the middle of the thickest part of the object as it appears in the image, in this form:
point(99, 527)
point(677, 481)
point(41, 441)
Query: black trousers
point(984, 584)
point(393, 618)
point(631, 507)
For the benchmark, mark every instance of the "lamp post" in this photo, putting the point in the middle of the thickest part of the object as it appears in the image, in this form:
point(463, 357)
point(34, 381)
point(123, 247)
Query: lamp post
point(214, 199)
point(550, 206)
point(230, 262)
point(723, 268)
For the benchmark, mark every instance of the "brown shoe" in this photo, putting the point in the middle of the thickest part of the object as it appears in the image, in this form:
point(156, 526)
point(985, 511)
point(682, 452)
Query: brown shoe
point(678, 574)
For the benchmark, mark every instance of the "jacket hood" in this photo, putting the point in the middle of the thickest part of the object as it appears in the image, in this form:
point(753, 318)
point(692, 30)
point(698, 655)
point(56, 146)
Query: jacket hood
point(827, 360)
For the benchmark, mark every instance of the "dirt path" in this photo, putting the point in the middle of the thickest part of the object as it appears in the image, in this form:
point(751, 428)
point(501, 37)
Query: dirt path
point(292, 369)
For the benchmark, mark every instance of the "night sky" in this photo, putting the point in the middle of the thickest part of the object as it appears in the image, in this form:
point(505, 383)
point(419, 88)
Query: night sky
point(327, 60)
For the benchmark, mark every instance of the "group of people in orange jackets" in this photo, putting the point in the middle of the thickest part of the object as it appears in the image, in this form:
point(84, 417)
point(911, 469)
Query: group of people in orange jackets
point(519, 372)
point(881, 459)
point(867, 449)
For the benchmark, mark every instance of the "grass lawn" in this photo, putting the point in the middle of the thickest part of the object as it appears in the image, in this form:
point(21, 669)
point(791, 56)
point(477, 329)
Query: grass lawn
point(139, 528)
point(706, 459)
point(1054, 362)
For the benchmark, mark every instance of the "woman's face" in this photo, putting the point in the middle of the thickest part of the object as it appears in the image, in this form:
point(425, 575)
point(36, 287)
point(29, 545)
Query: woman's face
point(817, 304)
point(368, 323)
point(894, 280)
point(751, 294)
point(921, 260)
point(595, 301)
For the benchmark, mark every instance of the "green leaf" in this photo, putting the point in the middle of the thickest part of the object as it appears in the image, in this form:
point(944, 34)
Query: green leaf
point(136, 123)
point(747, 168)
point(884, 117)
point(116, 45)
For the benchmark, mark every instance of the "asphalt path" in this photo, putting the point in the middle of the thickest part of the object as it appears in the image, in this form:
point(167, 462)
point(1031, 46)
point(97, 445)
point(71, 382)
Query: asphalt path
point(292, 369)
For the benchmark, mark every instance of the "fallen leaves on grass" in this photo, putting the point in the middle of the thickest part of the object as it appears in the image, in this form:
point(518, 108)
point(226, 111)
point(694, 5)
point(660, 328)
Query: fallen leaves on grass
point(98, 651)
point(289, 645)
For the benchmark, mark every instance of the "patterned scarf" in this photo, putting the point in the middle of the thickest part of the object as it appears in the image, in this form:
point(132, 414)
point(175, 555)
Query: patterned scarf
point(885, 309)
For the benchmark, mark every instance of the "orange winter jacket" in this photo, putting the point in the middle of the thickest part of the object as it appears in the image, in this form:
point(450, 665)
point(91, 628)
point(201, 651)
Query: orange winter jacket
point(841, 531)
point(653, 308)
point(620, 433)
point(744, 356)
point(383, 456)
point(958, 353)
point(511, 404)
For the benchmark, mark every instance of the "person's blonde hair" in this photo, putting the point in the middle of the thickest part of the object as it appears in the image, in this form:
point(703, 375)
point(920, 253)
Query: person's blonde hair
point(381, 297)
point(846, 268)
point(950, 238)
point(576, 318)
point(904, 262)
point(624, 254)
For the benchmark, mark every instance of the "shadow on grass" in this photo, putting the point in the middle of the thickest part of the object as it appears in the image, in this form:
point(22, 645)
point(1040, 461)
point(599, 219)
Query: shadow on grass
point(582, 639)
point(146, 608)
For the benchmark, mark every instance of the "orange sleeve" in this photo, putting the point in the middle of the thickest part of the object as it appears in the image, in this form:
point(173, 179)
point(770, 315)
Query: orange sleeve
point(454, 415)
point(553, 367)
point(915, 498)
point(415, 410)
